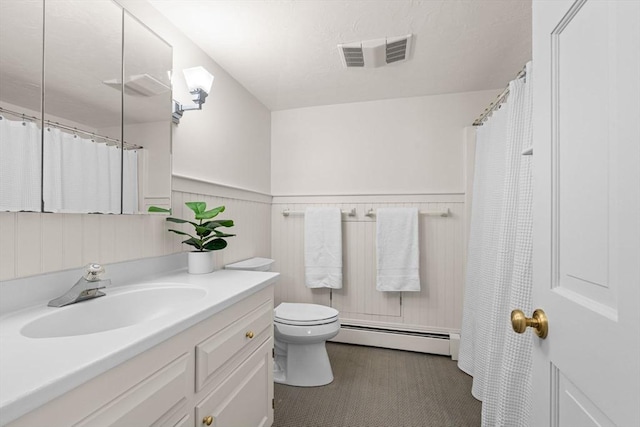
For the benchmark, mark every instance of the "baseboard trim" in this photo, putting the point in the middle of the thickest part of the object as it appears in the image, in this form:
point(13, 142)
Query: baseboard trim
point(432, 343)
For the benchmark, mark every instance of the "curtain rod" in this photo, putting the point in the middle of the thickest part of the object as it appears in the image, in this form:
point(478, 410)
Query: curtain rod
point(498, 102)
point(49, 123)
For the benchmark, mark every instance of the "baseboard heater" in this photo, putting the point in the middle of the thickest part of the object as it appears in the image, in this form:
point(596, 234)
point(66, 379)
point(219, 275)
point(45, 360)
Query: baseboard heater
point(424, 342)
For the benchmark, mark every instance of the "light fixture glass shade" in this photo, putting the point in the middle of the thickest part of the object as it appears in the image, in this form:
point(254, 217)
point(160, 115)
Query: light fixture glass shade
point(198, 78)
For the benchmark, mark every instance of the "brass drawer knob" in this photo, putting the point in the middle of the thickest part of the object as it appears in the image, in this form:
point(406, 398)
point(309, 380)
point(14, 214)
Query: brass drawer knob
point(539, 322)
point(249, 334)
point(207, 420)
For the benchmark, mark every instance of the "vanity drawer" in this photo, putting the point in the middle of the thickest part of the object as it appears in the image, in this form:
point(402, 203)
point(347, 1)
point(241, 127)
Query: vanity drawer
point(219, 354)
point(156, 401)
point(244, 398)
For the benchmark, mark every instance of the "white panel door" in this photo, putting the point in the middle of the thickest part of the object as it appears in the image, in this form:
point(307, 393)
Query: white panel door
point(586, 79)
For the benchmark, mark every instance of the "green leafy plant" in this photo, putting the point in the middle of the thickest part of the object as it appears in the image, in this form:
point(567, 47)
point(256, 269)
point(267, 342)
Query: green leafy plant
point(208, 237)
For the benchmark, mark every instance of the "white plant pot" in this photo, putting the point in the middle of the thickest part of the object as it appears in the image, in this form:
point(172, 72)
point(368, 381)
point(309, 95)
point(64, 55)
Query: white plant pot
point(200, 262)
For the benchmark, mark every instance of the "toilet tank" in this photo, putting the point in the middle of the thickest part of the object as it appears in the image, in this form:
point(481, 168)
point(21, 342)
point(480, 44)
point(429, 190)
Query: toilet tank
point(253, 264)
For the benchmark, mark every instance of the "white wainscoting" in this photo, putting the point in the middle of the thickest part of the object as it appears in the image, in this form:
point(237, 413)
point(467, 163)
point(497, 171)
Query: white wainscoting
point(436, 308)
point(35, 243)
point(250, 211)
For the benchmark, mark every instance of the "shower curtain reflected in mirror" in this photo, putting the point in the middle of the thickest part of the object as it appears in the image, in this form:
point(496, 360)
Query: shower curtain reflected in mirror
point(19, 165)
point(499, 268)
point(80, 175)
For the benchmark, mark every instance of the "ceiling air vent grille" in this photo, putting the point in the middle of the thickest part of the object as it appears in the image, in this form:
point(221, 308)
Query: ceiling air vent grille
point(396, 51)
point(375, 53)
point(353, 56)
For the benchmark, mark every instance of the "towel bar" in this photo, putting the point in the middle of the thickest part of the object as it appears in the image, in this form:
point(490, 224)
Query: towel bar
point(371, 213)
point(288, 212)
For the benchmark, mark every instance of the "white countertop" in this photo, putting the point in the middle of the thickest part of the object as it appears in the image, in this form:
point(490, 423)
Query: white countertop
point(34, 371)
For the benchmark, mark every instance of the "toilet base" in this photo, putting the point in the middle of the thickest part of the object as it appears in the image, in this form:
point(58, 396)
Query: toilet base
point(304, 365)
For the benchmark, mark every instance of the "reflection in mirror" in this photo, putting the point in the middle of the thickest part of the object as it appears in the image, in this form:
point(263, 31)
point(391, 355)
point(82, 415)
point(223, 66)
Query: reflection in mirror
point(61, 141)
point(20, 101)
point(83, 113)
point(147, 118)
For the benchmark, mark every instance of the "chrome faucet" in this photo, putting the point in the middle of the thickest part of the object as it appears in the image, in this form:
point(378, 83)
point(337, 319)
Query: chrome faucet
point(87, 287)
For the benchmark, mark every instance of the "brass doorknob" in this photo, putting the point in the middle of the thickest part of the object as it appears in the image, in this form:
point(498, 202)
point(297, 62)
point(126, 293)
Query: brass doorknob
point(538, 321)
point(249, 334)
point(207, 420)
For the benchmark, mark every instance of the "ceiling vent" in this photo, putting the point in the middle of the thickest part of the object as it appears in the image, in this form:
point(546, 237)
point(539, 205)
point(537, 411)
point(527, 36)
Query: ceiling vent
point(140, 85)
point(353, 56)
point(375, 53)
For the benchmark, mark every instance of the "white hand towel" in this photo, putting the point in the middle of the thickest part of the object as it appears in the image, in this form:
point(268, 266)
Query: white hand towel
point(397, 248)
point(323, 248)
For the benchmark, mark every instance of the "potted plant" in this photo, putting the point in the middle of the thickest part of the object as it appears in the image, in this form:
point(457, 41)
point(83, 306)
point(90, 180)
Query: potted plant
point(207, 236)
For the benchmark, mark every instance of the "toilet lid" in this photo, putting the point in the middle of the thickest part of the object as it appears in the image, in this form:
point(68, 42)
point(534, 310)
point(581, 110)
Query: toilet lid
point(304, 314)
point(256, 264)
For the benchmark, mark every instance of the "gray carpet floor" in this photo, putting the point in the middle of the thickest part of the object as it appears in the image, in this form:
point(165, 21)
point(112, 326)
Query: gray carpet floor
point(376, 387)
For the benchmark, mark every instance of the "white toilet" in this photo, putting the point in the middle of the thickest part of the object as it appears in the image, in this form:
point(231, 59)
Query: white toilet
point(301, 331)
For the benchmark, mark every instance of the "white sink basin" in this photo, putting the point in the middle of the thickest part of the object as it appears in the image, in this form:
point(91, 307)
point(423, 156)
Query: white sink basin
point(116, 310)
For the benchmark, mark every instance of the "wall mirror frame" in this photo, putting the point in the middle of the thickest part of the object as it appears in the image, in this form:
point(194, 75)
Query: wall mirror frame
point(85, 109)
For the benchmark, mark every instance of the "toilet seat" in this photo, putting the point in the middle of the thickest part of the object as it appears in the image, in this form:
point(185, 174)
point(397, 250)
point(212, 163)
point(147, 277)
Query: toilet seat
point(304, 314)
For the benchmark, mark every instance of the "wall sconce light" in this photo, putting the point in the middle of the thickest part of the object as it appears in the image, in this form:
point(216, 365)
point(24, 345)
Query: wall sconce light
point(199, 82)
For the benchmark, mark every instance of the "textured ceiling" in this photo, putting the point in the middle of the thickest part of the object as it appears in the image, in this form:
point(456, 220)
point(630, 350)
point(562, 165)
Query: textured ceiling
point(285, 52)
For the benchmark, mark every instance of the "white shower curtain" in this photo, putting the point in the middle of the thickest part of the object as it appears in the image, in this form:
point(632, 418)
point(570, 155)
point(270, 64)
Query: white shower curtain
point(79, 175)
point(499, 264)
point(19, 165)
point(130, 176)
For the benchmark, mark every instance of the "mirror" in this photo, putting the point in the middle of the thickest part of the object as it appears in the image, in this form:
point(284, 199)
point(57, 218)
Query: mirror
point(147, 76)
point(21, 27)
point(76, 160)
point(82, 115)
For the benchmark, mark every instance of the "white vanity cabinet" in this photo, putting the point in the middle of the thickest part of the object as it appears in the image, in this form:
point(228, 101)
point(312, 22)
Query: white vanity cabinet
point(239, 400)
point(218, 372)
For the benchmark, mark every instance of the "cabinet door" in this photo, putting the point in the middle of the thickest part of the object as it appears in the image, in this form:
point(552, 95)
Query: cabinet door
point(245, 397)
point(220, 354)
